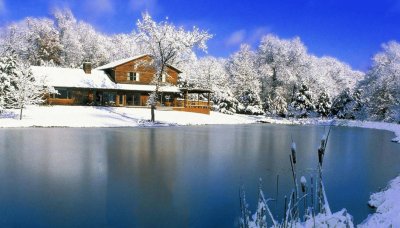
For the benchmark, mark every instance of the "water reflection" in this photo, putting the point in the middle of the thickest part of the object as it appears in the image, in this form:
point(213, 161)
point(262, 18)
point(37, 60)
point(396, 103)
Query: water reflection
point(181, 176)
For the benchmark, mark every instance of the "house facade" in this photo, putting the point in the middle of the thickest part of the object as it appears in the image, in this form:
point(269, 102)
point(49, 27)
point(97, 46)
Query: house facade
point(126, 82)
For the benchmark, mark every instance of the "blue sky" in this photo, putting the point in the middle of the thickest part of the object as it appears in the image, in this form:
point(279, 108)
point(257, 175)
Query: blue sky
point(351, 31)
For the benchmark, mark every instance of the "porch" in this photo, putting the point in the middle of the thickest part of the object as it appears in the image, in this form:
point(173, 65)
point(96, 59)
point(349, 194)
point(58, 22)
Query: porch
point(194, 105)
point(194, 100)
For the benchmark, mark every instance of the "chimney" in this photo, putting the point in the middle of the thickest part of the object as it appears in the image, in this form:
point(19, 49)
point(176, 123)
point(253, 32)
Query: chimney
point(87, 67)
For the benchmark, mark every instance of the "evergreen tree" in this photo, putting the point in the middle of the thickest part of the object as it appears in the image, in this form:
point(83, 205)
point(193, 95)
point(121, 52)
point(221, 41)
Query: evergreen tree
point(347, 105)
point(24, 89)
point(302, 106)
point(324, 104)
point(276, 105)
point(8, 69)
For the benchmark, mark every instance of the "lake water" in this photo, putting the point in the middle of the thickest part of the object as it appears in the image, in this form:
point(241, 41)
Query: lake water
point(178, 176)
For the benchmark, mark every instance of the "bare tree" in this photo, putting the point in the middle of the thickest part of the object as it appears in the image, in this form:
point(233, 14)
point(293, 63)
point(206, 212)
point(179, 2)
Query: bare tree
point(168, 45)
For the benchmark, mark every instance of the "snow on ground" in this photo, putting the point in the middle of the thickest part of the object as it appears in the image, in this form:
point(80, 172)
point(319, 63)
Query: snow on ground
point(86, 116)
point(395, 128)
point(387, 204)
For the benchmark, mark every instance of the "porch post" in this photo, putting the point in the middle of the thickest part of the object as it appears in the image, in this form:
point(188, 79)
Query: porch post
point(185, 101)
point(208, 100)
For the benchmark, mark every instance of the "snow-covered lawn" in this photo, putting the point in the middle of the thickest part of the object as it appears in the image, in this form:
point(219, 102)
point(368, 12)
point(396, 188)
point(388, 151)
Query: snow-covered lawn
point(86, 116)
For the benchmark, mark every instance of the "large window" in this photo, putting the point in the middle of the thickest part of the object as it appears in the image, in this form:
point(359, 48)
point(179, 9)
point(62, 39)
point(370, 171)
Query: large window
point(132, 76)
point(109, 98)
point(62, 94)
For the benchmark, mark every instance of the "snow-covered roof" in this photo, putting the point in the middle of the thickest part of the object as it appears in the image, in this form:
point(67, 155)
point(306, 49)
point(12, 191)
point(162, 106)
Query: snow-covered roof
point(98, 79)
point(122, 61)
point(119, 62)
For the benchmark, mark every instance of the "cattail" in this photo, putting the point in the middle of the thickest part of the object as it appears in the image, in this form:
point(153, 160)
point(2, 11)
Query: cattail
point(320, 155)
point(323, 140)
point(303, 183)
point(293, 152)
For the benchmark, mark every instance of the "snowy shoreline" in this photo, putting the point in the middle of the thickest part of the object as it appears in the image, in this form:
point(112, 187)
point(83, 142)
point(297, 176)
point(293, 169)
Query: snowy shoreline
point(86, 116)
point(392, 127)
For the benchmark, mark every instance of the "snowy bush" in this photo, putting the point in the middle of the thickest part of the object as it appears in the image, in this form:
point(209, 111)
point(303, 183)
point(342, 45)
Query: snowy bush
point(276, 106)
point(348, 105)
point(324, 104)
point(224, 102)
point(303, 105)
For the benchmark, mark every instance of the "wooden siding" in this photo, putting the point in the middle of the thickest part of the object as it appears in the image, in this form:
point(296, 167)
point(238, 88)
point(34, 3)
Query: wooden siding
point(146, 73)
point(59, 101)
point(202, 110)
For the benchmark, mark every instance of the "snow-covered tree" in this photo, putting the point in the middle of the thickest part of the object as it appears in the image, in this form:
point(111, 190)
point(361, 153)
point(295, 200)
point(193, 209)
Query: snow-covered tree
point(25, 89)
point(324, 104)
point(282, 64)
point(303, 103)
point(347, 105)
point(382, 84)
point(276, 105)
point(330, 75)
point(95, 45)
point(123, 46)
point(72, 54)
point(8, 69)
point(245, 80)
point(34, 40)
point(168, 45)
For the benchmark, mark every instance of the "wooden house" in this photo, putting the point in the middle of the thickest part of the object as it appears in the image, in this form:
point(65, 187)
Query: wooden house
point(127, 82)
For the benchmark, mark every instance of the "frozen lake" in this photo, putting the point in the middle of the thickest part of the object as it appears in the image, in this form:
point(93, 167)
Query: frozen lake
point(178, 176)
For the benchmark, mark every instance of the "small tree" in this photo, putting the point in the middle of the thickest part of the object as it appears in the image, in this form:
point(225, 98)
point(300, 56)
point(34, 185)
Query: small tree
point(7, 70)
point(349, 105)
point(25, 89)
point(303, 106)
point(276, 104)
point(324, 104)
point(168, 45)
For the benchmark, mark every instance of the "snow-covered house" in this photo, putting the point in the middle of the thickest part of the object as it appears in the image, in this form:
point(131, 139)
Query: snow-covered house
point(126, 82)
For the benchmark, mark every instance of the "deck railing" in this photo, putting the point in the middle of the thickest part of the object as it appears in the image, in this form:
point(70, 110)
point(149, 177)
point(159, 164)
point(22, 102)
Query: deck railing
point(191, 103)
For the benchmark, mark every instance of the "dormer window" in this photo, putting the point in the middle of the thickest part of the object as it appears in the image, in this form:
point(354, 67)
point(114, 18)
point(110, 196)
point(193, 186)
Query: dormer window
point(133, 76)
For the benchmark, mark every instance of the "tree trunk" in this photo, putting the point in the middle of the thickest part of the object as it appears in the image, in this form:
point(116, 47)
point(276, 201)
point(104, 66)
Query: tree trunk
point(20, 114)
point(152, 112)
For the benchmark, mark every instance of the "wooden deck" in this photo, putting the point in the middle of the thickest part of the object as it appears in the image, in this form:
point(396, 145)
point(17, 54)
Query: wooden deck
point(192, 106)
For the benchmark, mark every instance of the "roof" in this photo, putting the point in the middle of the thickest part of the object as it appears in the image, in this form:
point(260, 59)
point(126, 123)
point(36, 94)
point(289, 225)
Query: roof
point(119, 62)
point(122, 61)
point(98, 79)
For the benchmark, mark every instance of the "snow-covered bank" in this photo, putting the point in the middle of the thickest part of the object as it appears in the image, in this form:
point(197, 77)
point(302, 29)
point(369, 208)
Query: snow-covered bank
point(395, 128)
point(86, 116)
point(387, 207)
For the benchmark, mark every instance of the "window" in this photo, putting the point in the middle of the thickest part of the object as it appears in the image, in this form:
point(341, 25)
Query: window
point(132, 76)
point(62, 94)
